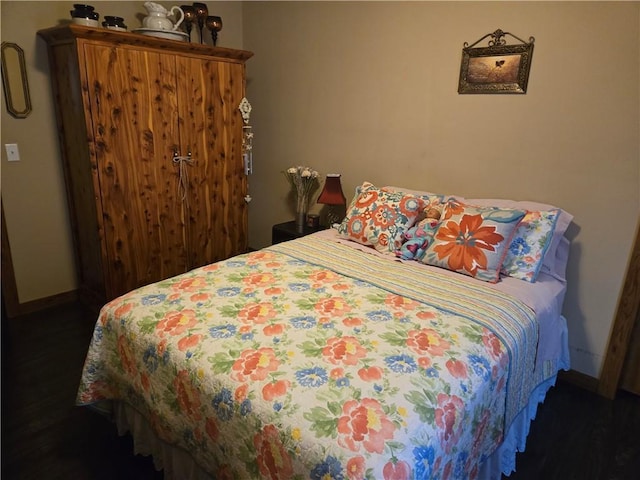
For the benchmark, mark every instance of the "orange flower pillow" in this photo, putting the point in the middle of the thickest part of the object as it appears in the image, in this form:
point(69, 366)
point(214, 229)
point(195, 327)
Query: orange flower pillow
point(473, 240)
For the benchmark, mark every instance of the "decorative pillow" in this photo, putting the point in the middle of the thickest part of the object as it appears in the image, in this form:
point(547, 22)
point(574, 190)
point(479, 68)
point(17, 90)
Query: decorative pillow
point(452, 206)
point(473, 240)
point(554, 263)
point(379, 218)
point(418, 237)
point(430, 199)
point(529, 245)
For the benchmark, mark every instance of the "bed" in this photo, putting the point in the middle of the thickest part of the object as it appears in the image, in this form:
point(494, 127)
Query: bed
point(335, 356)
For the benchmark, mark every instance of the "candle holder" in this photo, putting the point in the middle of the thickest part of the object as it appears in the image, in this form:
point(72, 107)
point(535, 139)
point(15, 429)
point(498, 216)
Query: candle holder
point(201, 15)
point(214, 24)
point(189, 18)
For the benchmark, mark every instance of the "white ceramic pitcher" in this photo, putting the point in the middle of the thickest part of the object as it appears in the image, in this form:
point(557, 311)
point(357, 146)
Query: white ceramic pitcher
point(158, 17)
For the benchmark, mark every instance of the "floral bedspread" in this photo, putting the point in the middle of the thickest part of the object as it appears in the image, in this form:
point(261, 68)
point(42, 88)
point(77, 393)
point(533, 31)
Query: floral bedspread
point(310, 359)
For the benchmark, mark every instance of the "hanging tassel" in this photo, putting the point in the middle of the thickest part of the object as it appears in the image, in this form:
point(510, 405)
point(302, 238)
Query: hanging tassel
point(183, 176)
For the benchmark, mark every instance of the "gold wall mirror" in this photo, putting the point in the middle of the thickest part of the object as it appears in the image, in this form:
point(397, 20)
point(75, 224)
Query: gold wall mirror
point(14, 80)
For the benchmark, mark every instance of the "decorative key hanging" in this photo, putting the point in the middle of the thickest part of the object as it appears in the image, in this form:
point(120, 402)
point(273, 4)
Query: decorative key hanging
point(247, 140)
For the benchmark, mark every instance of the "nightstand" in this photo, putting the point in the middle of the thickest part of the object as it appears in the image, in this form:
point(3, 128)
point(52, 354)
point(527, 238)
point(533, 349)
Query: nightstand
point(283, 232)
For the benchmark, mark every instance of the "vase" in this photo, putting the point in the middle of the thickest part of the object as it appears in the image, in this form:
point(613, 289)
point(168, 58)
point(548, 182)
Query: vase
point(301, 211)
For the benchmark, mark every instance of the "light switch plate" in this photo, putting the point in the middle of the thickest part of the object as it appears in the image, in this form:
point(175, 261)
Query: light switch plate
point(13, 155)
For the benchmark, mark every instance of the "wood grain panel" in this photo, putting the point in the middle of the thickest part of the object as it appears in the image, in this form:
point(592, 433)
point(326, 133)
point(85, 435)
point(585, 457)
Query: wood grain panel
point(626, 314)
point(134, 109)
point(211, 126)
point(61, 34)
point(124, 102)
point(631, 370)
point(73, 133)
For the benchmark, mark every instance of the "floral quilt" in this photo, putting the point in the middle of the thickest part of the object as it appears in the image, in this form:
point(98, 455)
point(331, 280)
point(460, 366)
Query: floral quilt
point(310, 359)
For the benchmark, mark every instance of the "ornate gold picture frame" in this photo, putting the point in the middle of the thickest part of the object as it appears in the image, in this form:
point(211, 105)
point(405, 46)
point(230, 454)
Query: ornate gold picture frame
point(497, 68)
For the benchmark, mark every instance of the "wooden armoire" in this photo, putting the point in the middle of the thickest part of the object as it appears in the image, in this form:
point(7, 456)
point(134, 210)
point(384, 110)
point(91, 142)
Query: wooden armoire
point(151, 138)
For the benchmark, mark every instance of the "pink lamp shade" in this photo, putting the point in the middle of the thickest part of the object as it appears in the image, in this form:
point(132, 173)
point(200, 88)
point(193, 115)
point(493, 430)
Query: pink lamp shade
point(332, 192)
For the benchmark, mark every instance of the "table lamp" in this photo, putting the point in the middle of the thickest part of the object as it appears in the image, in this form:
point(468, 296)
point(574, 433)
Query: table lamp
point(332, 196)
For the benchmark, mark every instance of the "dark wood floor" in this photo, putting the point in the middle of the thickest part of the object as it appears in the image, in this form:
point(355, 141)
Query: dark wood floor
point(577, 435)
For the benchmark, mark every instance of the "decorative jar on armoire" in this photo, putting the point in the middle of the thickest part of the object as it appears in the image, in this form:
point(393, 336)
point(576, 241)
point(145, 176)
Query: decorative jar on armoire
point(151, 139)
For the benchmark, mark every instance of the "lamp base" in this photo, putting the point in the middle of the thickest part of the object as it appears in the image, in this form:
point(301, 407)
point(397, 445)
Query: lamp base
point(332, 216)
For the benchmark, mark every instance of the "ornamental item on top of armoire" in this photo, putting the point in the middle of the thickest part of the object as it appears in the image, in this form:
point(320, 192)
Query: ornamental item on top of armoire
point(189, 17)
point(202, 12)
point(214, 24)
point(158, 24)
point(304, 181)
point(158, 17)
point(84, 15)
point(141, 213)
point(114, 23)
point(198, 13)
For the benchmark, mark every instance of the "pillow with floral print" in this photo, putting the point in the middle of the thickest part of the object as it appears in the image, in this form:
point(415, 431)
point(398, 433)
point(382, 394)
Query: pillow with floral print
point(554, 262)
point(432, 200)
point(473, 240)
point(379, 218)
point(529, 245)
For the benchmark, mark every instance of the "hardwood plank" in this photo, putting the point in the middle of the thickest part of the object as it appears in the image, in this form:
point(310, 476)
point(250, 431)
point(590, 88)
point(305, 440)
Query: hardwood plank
point(44, 435)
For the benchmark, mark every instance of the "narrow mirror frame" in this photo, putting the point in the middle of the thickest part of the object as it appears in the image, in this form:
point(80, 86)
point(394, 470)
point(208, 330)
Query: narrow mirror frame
point(18, 99)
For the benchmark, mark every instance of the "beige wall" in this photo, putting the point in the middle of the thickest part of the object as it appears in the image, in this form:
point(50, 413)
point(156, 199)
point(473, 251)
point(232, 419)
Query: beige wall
point(370, 90)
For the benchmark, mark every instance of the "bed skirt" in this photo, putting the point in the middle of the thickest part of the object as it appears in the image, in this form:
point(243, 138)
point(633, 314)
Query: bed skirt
point(503, 460)
point(177, 464)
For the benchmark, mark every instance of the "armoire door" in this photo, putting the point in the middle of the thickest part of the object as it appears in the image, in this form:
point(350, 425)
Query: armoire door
point(209, 96)
point(135, 127)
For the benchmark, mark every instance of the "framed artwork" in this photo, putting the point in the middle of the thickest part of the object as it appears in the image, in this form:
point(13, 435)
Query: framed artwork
point(497, 68)
point(14, 80)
